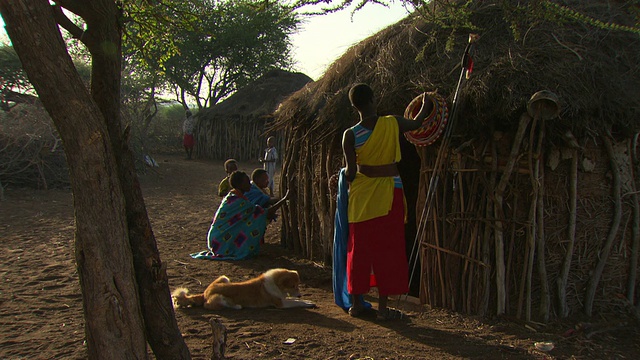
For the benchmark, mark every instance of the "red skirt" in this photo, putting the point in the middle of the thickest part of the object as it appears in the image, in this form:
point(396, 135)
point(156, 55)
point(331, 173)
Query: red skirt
point(188, 141)
point(377, 246)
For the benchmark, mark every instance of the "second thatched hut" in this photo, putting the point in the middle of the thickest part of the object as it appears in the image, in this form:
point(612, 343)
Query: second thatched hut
point(236, 127)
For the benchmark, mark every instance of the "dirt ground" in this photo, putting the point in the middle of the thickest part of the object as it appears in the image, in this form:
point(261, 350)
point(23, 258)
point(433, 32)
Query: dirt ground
point(41, 305)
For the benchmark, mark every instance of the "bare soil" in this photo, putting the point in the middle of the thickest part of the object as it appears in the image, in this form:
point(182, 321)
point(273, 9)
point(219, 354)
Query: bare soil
point(41, 306)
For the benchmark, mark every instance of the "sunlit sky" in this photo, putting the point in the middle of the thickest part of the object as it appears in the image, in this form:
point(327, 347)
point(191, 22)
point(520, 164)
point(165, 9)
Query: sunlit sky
point(324, 38)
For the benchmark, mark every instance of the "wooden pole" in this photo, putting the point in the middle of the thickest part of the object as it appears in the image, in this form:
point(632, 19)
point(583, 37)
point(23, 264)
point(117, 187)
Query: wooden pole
point(540, 238)
point(635, 227)
point(218, 338)
point(613, 230)
point(571, 235)
point(499, 214)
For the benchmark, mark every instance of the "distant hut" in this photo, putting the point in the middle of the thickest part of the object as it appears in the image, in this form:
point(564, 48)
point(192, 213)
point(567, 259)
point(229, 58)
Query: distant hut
point(235, 127)
point(532, 217)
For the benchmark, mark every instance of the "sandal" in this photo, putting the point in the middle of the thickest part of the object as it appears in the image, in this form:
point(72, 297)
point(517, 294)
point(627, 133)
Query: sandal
point(360, 311)
point(390, 314)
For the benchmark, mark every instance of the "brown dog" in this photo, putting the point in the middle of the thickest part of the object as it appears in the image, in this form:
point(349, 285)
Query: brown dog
point(273, 288)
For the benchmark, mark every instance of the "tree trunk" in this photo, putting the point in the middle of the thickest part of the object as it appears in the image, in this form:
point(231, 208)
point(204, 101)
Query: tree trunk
point(163, 334)
point(112, 225)
point(114, 325)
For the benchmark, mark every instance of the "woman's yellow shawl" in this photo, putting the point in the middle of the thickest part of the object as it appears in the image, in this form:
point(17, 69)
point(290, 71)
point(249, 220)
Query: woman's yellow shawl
point(370, 198)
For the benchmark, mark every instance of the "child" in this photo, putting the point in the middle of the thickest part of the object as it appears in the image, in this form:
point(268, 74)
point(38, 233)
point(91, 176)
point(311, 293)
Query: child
point(269, 161)
point(258, 192)
point(224, 187)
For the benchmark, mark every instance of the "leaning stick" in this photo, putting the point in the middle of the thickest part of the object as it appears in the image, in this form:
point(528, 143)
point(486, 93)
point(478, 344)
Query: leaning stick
point(635, 228)
point(542, 268)
point(486, 249)
point(463, 256)
point(571, 234)
point(617, 218)
point(439, 260)
point(499, 213)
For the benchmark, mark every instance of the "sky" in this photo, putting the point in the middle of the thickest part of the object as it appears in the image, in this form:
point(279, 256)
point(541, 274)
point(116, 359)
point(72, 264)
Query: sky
point(322, 39)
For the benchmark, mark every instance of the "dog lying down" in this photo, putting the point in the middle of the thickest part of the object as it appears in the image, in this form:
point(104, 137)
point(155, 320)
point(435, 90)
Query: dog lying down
point(276, 287)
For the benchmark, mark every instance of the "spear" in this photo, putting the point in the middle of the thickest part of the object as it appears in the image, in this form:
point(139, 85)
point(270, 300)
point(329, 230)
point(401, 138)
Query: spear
point(466, 65)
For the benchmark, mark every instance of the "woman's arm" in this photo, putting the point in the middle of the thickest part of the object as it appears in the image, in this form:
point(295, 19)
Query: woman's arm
point(425, 110)
point(349, 151)
point(271, 211)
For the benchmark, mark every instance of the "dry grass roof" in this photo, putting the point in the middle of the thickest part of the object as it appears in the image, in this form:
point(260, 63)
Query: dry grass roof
point(595, 72)
point(259, 99)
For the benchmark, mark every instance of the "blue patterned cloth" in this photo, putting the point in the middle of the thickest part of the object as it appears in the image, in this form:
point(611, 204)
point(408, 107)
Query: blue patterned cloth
point(257, 196)
point(236, 230)
point(341, 295)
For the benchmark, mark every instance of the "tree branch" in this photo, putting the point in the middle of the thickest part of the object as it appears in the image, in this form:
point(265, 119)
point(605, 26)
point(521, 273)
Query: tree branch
point(68, 25)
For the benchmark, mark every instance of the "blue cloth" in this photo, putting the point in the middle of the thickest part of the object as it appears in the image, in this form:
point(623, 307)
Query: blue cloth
point(236, 230)
point(257, 196)
point(340, 238)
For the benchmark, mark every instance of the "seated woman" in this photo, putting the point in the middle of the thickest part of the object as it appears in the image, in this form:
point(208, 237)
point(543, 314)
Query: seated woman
point(238, 225)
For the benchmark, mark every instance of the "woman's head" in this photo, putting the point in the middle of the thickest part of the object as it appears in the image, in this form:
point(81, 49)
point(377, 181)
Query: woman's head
point(360, 95)
point(240, 181)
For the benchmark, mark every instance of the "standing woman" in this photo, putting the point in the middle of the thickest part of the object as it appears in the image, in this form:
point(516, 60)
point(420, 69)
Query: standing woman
point(188, 126)
point(376, 209)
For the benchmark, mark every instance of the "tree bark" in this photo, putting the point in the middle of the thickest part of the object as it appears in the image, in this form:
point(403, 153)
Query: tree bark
point(108, 200)
point(114, 325)
point(163, 334)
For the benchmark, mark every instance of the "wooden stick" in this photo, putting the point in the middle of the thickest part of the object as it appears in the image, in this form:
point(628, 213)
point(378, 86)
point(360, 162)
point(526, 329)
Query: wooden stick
point(545, 296)
point(451, 252)
point(218, 338)
point(499, 214)
point(533, 216)
point(512, 240)
point(439, 260)
point(613, 230)
point(635, 227)
point(531, 249)
point(470, 280)
point(473, 234)
point(486, 245)
point(563, 278)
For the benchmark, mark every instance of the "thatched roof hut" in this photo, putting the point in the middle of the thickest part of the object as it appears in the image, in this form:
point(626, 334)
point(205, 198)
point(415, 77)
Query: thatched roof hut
point(235, 127)
point(531, 217)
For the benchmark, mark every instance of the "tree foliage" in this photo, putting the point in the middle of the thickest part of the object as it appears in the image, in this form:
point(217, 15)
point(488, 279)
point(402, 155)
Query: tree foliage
point(216, 46)
point(15, 87)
